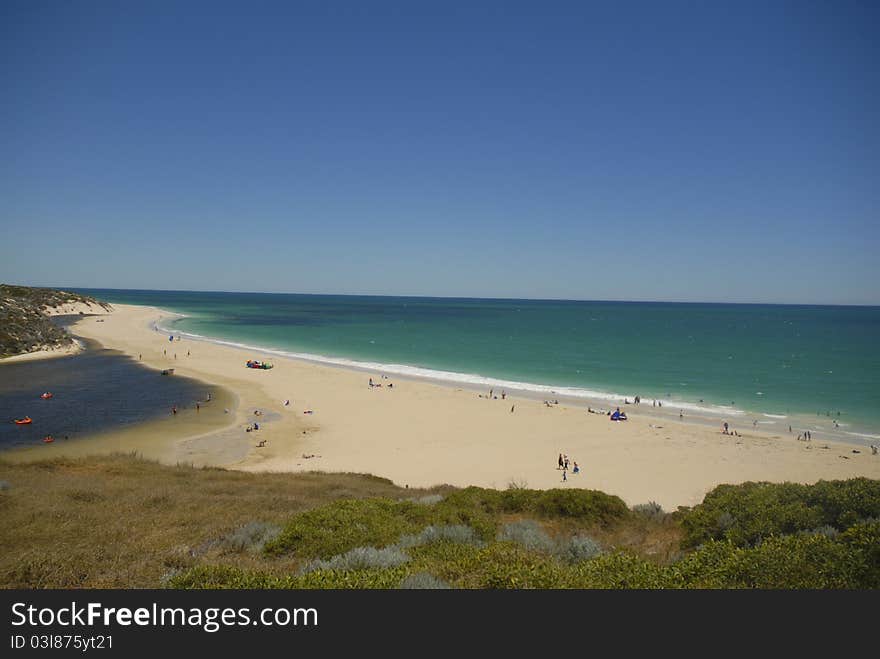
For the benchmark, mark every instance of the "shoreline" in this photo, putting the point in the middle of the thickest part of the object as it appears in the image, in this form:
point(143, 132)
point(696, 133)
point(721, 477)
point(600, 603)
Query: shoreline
point(45, 353)
point(421, 434)
point(709, 415)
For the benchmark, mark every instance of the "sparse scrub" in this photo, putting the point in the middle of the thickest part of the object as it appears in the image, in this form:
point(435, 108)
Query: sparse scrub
point(250, 537)
point(196, 529)
point(427, 500)
point(529, 534)
point(577, 549)
point(360, 558)
point(650, 510)
point(457, 533)
point(423, 581)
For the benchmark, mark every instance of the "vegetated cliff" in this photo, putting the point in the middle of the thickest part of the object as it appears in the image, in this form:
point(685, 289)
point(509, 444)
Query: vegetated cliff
point(24, 317)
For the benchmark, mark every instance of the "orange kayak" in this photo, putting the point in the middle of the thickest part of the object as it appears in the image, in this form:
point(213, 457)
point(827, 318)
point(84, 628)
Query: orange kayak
point(47, 395)
point(24, 421)
point(48, 439)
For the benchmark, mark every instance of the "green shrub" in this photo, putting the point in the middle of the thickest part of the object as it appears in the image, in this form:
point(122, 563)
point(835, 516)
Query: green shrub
point(745, 514)
point(618, 570)
point(346, 524)
point(865, 538)
point(588, 506)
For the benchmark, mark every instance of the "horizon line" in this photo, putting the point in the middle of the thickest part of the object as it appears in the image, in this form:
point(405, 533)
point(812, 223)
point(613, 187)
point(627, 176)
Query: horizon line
point(470, 297)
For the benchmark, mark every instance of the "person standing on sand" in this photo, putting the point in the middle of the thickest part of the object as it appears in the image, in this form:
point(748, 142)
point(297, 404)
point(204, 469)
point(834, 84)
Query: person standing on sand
point(564, 477)
point(561, 462)
point(511, 408)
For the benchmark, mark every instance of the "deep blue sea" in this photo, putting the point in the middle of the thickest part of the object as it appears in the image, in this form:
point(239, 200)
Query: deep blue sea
point(771, 362)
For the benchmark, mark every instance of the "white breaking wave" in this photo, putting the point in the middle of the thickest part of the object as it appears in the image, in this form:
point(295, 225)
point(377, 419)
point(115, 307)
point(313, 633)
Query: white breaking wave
point(465, 379)
point(776, 416)
point(862, 434)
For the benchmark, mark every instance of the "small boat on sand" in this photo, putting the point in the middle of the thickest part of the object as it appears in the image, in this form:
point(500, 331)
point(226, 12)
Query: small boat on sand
point(168, 371)
point(24, 421)
point(255, 363)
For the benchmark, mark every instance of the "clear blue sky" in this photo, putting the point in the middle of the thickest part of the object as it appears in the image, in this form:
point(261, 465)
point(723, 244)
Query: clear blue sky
point(656, 150)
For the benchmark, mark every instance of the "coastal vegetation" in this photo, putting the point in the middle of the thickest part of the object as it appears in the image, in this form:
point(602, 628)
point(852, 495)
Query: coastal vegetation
point(121, 521)
point(24, 325)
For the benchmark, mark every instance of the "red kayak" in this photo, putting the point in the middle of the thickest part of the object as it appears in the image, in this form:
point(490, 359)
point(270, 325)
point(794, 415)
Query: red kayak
point(48, 439)
point(47, 395)
point(24, 421)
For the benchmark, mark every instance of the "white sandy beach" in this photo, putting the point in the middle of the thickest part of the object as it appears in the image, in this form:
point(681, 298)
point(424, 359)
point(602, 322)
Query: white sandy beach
point(420, 433)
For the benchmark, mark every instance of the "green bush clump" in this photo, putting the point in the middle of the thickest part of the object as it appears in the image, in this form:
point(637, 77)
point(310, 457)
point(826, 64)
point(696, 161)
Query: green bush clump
point(589, 506)
point(618, 570)
point(865, 538)
point(343, 525)
point(748, 513)
point(222, 576)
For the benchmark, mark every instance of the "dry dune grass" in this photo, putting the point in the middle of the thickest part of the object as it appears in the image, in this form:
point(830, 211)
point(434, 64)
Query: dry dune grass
point(123, 522)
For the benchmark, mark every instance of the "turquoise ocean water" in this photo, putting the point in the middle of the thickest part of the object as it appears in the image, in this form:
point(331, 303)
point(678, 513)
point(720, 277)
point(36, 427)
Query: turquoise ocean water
point(776, 364)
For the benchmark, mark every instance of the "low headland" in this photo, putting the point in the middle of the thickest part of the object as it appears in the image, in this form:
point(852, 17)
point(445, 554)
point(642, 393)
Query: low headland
point(26, 331)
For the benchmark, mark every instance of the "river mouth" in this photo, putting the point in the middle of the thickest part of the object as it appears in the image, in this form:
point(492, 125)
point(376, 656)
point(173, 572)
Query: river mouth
point(99, 392)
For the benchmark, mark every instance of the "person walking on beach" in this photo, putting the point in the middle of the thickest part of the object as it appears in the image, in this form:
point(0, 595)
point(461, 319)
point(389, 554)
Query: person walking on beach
point(511, 408)
point(561, 461)
point(197, 407)
point(564, 477)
